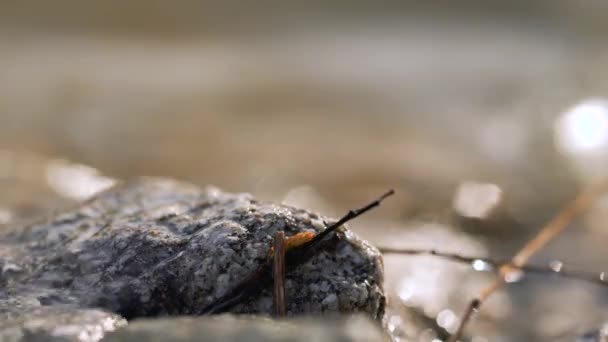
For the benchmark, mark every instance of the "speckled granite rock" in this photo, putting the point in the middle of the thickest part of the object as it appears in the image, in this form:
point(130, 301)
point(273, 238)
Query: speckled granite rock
point(160, 247)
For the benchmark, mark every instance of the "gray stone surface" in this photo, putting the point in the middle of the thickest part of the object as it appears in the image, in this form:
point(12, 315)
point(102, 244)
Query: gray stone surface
point(251, 329)
point(155, 247)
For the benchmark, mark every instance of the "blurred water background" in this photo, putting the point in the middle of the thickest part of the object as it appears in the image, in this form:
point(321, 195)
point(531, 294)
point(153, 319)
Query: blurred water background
point(486, 117)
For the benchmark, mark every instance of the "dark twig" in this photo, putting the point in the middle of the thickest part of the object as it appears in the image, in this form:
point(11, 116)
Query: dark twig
point(495, 264)
point(466, 316)
point(260, 278)
point(279, 275)
point(352, 214)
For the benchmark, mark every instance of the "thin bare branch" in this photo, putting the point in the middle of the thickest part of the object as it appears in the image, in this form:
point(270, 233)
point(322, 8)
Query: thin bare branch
point(259, 278)
point(279, 275)
point(581, 203)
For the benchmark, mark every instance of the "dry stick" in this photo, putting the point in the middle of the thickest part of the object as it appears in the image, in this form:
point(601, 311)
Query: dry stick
point(349, 216)
point(255, 281)
point(581, 203)
point(495, 264)
point(279, 274)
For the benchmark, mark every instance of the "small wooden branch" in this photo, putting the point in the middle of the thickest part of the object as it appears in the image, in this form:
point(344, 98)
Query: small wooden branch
point(352, 214)
point(279, 275)
point(261, 277)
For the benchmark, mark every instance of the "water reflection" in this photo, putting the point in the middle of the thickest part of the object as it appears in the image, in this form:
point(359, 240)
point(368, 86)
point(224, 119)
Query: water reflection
point(394, 322)
point(476, 200)
point(6, 216)
point(514, 276)
point(583, 128)
point(406, 292)
point(556, 265)
point(76, 181)
point(479, 339)
point(481, 265)
point(447, 319)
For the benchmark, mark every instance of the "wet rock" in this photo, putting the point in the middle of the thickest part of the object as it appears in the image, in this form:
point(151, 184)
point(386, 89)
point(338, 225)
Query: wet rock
point(155, 247)
point(251, 329)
